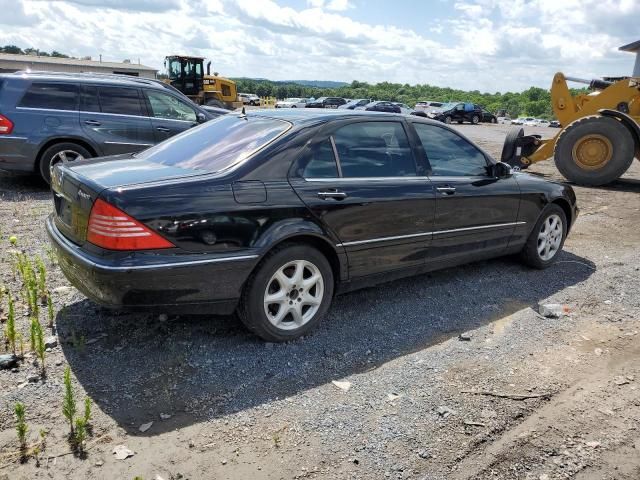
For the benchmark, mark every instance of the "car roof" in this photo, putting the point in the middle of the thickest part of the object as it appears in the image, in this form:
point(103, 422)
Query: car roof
point(88, 77)
point(303, 116)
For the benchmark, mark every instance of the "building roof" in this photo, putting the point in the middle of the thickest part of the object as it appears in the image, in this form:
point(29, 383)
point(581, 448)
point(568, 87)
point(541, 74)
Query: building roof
point(632, 47)
point(34, 59)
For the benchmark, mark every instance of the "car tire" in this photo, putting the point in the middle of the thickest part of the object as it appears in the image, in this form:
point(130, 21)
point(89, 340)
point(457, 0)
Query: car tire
point(448, 119)
point(475, 119)
point(546, 239)
point(494, 120)
point(293, 106)
point(608, 137)
point(60, 153)
point(273, 306)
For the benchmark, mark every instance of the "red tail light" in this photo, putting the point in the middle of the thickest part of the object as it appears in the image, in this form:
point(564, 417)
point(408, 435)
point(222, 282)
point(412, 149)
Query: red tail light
point(6, 125)
point(113, 229)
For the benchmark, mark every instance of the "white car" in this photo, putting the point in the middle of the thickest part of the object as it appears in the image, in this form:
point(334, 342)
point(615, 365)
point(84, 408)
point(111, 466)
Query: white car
point(292, 103)
point(249, 99)
point(530, 122)
point(427, 106)
point(543, 123)
point(505, 120)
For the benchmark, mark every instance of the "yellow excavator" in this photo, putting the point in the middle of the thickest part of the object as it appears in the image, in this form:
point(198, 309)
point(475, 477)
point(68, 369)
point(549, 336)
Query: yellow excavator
point(187, 75)
point(600, 131)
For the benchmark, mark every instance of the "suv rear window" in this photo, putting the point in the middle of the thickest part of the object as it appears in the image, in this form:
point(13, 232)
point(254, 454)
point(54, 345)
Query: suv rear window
point(54, 96)
point(218, 144)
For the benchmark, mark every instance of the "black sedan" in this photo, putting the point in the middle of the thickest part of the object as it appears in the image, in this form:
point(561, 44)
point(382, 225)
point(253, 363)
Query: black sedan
point(488, 117)
point(272, 213)
point(381, 106)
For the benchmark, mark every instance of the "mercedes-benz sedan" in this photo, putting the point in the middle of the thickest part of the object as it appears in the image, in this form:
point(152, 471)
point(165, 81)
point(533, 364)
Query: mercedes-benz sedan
point(272, 213)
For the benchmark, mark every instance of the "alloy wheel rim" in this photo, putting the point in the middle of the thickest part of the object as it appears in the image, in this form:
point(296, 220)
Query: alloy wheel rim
point(65, 156)
point(550, 237)
point(293, 294)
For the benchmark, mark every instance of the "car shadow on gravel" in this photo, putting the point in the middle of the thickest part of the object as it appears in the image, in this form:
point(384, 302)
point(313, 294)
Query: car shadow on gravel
point(136, 366)
point(17, 187)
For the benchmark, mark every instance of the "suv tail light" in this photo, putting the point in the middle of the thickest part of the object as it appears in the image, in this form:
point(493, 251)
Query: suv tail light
point(6, 125)
point(113, 229)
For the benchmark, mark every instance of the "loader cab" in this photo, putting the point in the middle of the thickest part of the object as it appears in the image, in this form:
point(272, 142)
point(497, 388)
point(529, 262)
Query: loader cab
point(186, 73)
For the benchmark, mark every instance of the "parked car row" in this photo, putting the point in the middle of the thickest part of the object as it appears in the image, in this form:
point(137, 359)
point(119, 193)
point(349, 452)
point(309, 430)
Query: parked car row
point(534, 122)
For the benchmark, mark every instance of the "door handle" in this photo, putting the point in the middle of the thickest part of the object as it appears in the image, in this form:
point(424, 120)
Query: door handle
point(448, 190)
point(93, 123)
point(335, 195)
point(163, 129)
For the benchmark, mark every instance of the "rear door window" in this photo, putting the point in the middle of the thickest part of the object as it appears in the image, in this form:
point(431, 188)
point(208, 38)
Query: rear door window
point(121, 100)
point(374, 149)
point(218, 144)
point(52, 96)
point(321, 162)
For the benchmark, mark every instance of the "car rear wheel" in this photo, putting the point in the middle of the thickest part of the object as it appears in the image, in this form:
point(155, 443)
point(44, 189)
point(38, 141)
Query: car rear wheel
point(447, 119)
point(547, 238)
point(494, 120)
point(60, 153)
point(288, 294)
point(475, 119)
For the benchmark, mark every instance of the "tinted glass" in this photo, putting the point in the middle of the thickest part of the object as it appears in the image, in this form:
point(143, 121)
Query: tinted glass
point(89, 99)
point(322, 162)
point(56, 96)
point(120, 100)
point(374, 149)
point(216, 145)
point(450, 154)
point(166, 106)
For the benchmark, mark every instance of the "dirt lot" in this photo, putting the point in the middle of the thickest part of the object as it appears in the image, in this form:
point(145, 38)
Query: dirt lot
point(517, 396)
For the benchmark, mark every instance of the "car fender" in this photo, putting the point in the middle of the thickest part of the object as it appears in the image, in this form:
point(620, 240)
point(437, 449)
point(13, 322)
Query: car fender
point(289, 229)
point(68, 138)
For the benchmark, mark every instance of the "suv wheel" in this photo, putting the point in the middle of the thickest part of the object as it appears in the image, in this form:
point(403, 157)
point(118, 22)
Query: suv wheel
point(60, 153)
point(475, 119)
point(447, 119)
point(288, 294)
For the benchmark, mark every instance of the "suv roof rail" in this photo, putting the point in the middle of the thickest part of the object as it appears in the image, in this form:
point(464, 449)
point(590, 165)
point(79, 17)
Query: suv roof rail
point(115, 76)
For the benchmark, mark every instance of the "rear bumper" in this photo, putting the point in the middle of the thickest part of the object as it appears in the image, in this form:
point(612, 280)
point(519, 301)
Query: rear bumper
point(188, 284)
point(16, 154)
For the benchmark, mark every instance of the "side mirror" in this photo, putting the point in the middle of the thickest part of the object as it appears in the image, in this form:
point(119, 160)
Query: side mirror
point(201, 117)
point(502, 170)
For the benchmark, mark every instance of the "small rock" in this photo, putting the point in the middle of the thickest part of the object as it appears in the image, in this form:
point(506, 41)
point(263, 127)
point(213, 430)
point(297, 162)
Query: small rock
point(33, 378)
point(163, 317)
point(22, 385)
point(59, 362)
point(51, 342)
point(345, 386)
point(224, 461)
point(8, 361)
point(551, 310)
point(593, 444)
point(607, 302)
point(392, 396)
point(99, 463)
point(620, 380)
point(465, 337)
point(544, 476)
point(121, 452)
point(598, 352)
point(61, 290)
point(165, 416)
point(158, 477)
point(191, 444)
point(424, 454)
point(145, 426)
point(445, 411)
point(15, 370)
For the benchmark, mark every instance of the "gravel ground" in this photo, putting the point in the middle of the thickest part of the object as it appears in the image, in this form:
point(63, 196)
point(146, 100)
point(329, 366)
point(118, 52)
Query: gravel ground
point(447, 375)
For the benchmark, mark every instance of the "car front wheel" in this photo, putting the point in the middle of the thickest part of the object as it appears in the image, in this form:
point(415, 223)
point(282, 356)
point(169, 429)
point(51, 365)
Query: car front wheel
point(547, 238)
point(288, 294)
point(475, 119)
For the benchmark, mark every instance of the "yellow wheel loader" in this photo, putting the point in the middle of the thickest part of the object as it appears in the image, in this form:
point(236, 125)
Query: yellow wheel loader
point(187, 75)
point(600, 131)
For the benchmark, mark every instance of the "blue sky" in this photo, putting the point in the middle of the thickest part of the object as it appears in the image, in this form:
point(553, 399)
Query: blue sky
point(486, 45)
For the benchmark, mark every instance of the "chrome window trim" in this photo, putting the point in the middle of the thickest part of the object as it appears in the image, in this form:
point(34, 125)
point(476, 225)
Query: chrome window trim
point(47, 109)
point(362, 179)
point(336, 156)
point(83, 111)
point(424, 234)
point(133, 144)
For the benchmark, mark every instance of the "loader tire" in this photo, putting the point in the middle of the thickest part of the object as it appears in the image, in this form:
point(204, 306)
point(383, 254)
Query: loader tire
point(594, 150)
point(509, 149)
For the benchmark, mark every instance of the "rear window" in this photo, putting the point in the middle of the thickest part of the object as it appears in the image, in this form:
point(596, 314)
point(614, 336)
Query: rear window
point(54, 96)
point(216, 145)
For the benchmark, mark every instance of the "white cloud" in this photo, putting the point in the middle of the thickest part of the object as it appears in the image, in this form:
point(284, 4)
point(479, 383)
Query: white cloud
point(487, 45)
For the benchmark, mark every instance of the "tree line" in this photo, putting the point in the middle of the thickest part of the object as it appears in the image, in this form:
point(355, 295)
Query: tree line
point(534, 102)
point(31, 51)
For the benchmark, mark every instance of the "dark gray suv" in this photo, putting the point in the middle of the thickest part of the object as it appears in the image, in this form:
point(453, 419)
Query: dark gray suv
point(47, 118)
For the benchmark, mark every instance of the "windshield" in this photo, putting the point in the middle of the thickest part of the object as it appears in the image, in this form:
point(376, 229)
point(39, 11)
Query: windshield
point(216, 145)
point(292, 100)
point(321, 99)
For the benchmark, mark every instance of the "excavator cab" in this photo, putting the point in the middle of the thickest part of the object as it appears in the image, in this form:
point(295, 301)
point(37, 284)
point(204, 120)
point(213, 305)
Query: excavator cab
point(186, 74)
